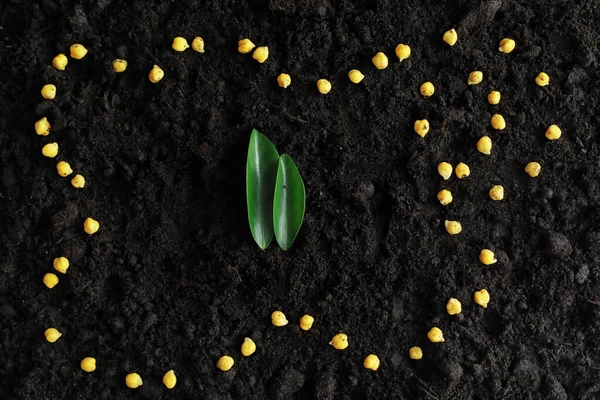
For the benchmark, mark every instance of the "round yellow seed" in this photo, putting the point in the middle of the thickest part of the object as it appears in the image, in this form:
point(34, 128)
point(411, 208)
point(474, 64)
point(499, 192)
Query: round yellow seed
point(444, 197)
point(380, 60)
point(43, 127)
point(339, 341)
point(119, 65)
point(497, 121)
point(133, 380)
point(542, 79)
point(427, 89)
point(248, 347)
point(553, 132)
point(496, 193)
point(278, 318)
point(371, 362)
point(355, 76)
point(306, 322)
point(64, 169)
point(284, 80)
point(245, 46)
point(88, 364)
point(50, 280)
point(78, 181)
point(91, 226)
point(487, 257)
point(462, 170)
point(60, 62)
point(225, 363)
point(156, 74)
point(49, 91)
point(475, 78)
point(435, 335)
point(198, 44)
point(50, 150)
point(78, 51)
point(506, 45)
point(61, 264)
point(169, 379)
point(453, 227)
point(324, 86)
point(533, 169)
point(453, 306)
point(261, 54)
point(52, 335)
point(421, 127)
point(484, 145)
point(494, 97)
point(445, 170)
point(482, 297)
point(450, 37)
point(415, 353)
point(402, 51)
point(179, 44)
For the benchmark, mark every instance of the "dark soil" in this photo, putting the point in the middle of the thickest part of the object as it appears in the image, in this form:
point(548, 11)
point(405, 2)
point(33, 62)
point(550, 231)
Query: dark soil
point(173, 280)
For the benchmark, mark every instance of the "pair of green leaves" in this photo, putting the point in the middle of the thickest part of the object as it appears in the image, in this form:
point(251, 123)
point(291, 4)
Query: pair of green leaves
point(274, 192)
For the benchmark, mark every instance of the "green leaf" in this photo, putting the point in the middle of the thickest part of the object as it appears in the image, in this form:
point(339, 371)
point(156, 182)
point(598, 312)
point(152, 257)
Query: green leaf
point(289, 203)
point(261, 174)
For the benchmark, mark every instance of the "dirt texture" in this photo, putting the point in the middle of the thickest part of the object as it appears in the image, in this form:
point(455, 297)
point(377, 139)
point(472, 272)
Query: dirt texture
point(173, 279)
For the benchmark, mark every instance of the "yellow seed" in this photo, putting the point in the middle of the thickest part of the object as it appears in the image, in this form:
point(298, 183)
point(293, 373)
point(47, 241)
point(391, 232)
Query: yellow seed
point(462, 170)
point(119, 65)
point(52, 335)
point(78, 181)
point(453, 306)
point(427, 89)
point(553, 132)
point(355, 76)
point(78, 51)
point(133, 380)
point(453, 227)
point(435, 335)
point(450, 37)
point(496, 192)
point(248, 347)
point(380, 60)
point(61, 264)
point(156, 74)
point(306, 322)
point(278, 318)
point(179, 44)
point(225, 363)
point(261, 54)
point(487, 257)
point(371, 362)
point(402, 51)
point(339, 341)
point(63, 168)
point(198, 44)
point(445, 170)
point(43, 127)
point(484, 145)
point(494, 97)
point(50, 150)
point(245, 46)
point(60, 62)
point(91, 226)
point(88, 364)
point(324, 86)
point(475, 78)
point(415, 353)
point(533, 169)
point(445, 197)
point(50, 280)
point(49, 92)
point(284, 80)
point(497, 121)
point(506, 45)
point(482, 297)
point(169, 379)
point(421, 127)
point(542, 79)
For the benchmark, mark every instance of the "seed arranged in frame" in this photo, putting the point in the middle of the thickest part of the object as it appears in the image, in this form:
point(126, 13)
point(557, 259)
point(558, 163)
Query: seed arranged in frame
point(133, 380)
point(450, 37)
point(496, 193)
point(156, 74)
point(494, 97)
point(380, 60)
point(453, 227)
point(52, 335)
point(444, 197)
point(50, 150)
point(462, 170)
point(542, 79)
point(355, 76)
point(88, 364)
point(169, 379)
point(484, 145)
point(49, 91)
point(553, 132)
point(278, 319)
point(43, 127)
point(339, 341)
point(60, 62)
point(284, 80)
point(402, 51)
point(225, 363)
point(261, 54)
point(179, 44)
point(78, 51)
point(421, 127)
point(91, 226)
point(61, 264)
point(435, 335)
point(371, 362)
point(427, 89)
point(497, 121)
point(507, 45)
point(306, 322)
point(50, 280)
point(245, 46)
point(453, 306)
point(415, 353)
point(78, 181)
point(445, 170)
point(64, 168)
point(323, 86)
point(475, 78)
point(482, 297)
point(119, 65)
point(198, 44)
point(248, 347)
point(487, 257)
point(533, 169)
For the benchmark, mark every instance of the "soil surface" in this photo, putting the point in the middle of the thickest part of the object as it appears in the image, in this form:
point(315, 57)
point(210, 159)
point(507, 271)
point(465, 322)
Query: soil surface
point(173, 279)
